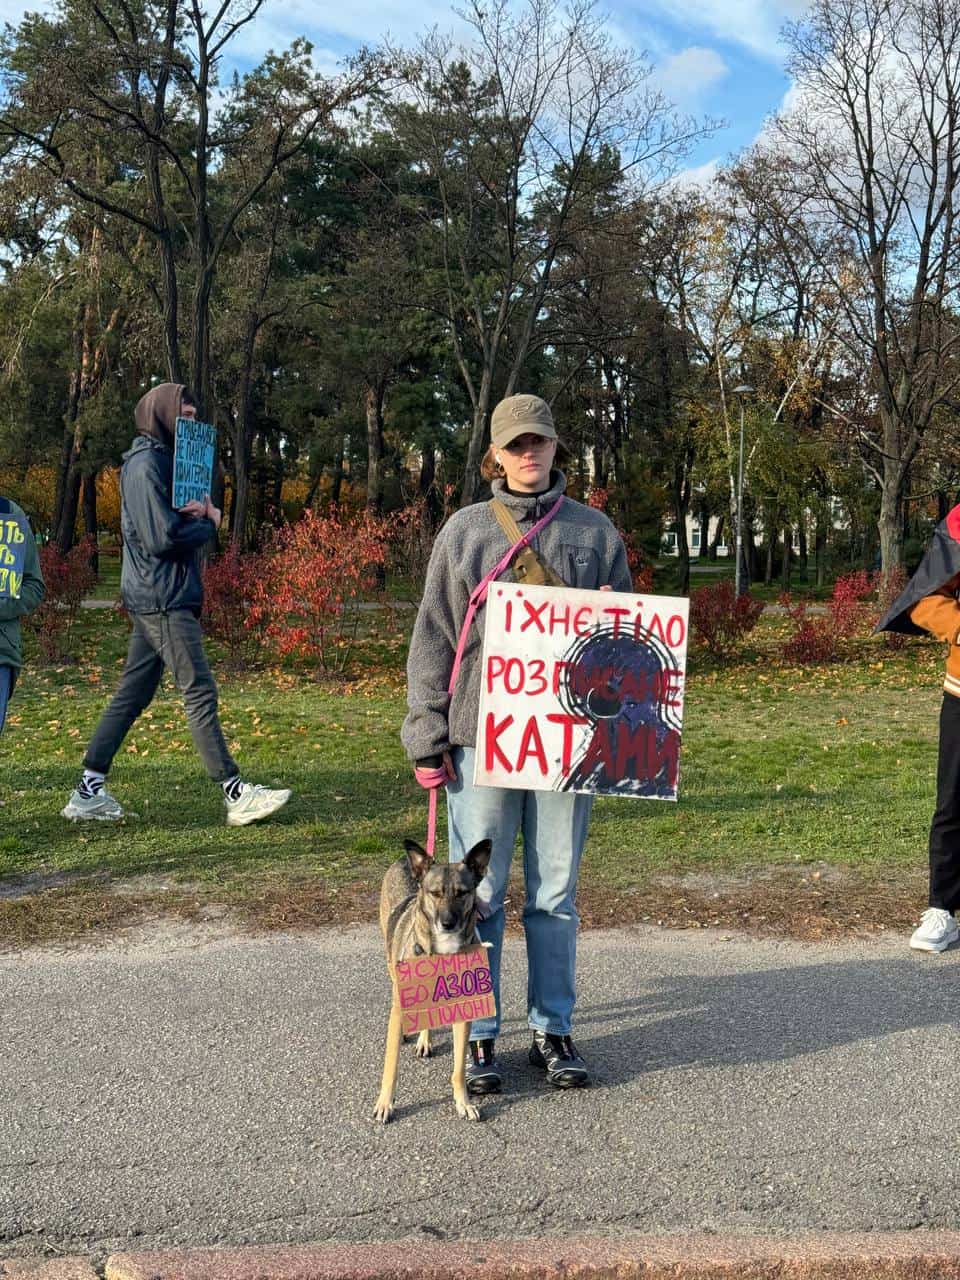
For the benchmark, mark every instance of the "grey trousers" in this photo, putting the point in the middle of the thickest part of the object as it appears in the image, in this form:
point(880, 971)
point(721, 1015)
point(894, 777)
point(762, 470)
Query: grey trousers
point(172, 640)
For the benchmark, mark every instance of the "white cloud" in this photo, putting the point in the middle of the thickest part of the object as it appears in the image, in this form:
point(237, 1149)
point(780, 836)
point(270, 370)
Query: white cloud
point(358, 22)
point(755, 24)
point(701, 175)
point(688, 75)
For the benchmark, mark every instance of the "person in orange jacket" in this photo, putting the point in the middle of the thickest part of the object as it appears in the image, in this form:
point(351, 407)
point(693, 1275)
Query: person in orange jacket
point(929, 604)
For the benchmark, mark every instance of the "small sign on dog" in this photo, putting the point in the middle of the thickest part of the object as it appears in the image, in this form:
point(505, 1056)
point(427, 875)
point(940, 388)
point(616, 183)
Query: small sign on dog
point(434, 991)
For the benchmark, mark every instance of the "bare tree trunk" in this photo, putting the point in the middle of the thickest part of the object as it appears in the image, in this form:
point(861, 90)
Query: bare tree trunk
point(427, 487)
point(802, 535)
point(373, 401)
point(338, 472)
point(785, 564)
point(896, 466)
point(681, 508)
point(478, 440)
point(90, 522)
point(63, 475)
point(276, 478)
point(820, 548)
point(600, 476)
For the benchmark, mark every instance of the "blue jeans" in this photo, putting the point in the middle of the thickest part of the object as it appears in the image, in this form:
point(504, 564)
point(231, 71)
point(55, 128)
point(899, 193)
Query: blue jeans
point(554, 827)
point(6, 681)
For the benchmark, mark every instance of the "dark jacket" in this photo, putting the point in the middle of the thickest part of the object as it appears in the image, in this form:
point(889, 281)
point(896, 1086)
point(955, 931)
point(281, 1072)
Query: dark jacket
point(161, 549)
point(31, 592)
point(940, 563)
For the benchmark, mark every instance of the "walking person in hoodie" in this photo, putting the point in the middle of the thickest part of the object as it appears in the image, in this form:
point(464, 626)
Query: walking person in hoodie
point(583, 549)
point(161, 588)
point(16, 605)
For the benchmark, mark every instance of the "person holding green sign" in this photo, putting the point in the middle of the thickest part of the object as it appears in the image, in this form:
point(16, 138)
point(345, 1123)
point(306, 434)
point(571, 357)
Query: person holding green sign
point(162, 589)
point(21, 590)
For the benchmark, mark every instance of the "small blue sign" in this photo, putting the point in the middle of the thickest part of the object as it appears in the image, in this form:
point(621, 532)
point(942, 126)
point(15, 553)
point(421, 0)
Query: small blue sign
point(13, 555)
point(195, 445)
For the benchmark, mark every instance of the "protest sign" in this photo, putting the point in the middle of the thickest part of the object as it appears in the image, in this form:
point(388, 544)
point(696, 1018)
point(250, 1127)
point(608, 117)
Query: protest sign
point(582, 691)
point(437, 991)
point(13, 555)
point(195, 444)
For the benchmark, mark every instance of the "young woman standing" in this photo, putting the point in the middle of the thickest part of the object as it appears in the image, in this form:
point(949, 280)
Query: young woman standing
point(581, 546)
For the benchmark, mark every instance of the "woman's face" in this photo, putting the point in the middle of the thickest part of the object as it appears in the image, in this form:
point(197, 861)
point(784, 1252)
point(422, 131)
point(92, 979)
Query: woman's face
point(526, 462)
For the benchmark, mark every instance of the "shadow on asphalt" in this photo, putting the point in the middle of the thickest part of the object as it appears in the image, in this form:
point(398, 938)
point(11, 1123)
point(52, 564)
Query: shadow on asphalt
point(767, 1016)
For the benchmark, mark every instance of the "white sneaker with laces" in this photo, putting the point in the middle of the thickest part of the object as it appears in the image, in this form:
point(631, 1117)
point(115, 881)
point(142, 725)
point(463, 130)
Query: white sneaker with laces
point(253, 803)
point(101, 807)
point(938, 929)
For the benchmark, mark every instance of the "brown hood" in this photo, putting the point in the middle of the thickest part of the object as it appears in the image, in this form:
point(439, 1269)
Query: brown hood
point(157, 412)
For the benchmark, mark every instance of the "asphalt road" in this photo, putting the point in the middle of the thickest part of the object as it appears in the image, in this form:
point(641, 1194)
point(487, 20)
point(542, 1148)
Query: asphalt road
point(165, 1091)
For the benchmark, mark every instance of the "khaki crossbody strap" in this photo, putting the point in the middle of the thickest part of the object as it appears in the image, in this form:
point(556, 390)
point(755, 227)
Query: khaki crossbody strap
point(506, 521)
point(527, 565)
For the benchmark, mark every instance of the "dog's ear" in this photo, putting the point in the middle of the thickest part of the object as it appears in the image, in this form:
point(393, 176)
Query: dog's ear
point(478, 859)
point(418, 858)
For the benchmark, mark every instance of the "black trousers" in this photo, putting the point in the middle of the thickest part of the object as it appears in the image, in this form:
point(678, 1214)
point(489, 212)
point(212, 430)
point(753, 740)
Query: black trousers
point(171, 640)
point(945, 828)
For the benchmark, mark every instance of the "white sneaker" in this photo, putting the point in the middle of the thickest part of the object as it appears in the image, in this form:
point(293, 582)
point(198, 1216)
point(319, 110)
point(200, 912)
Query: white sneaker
point(253, 803)
point(99, 808)
point(936, 932)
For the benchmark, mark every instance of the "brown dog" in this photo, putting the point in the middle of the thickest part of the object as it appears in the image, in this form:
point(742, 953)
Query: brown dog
point(429, 908)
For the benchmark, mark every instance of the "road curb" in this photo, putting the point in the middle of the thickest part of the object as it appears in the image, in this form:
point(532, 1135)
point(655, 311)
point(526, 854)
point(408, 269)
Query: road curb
point(913, 1255)
point(47, 1269)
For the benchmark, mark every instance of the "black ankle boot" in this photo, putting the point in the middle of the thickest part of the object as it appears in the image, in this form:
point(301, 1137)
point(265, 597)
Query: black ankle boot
point(565, 1068)
point(483, 1070)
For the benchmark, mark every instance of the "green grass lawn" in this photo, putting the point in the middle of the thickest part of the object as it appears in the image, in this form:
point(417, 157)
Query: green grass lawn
point(108, 578)
point(781, 767)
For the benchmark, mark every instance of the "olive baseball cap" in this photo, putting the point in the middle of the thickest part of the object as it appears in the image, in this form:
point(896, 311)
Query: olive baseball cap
point(518, 416)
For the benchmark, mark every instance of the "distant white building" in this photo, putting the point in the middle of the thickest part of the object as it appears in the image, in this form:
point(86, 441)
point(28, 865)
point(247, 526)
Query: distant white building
point(698, 538)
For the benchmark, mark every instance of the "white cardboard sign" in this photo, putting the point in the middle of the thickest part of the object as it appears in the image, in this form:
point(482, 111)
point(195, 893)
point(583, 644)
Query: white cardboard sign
point(582, 691)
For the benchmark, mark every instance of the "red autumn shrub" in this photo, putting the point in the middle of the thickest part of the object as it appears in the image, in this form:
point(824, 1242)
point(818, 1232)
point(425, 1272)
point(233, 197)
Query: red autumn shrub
point(229, 588)
point(67, 579)
point(889, 586)
point(849, 610)
point(849, 614)
point(813, 640)
point(719, 620)
point(306, 599)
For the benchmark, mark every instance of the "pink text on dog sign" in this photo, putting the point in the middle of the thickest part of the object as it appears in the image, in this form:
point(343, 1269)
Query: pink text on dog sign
point(434, 991)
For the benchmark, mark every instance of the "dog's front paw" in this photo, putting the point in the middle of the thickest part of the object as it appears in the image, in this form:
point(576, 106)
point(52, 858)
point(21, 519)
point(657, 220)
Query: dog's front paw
point(467, 1111)
point(424, 1048)
point(383, 1112)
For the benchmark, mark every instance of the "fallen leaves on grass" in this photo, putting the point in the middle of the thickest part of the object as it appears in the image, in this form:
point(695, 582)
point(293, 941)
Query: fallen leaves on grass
point(778, 902)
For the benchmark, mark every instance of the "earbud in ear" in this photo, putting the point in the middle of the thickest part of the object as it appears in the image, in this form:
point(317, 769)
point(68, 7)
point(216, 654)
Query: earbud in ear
point(496, 458)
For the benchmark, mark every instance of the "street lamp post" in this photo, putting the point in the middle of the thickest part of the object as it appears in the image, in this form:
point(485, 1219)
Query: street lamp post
point(740, 391)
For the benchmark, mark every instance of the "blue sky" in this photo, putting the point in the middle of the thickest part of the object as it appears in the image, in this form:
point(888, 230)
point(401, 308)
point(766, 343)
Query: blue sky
point(716, 57)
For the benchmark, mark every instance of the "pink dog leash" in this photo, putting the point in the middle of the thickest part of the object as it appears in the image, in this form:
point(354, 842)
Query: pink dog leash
point(435, 778)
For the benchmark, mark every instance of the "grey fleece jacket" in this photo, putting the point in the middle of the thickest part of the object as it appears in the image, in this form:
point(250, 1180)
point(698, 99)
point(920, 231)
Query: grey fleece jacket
point(579, 543)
